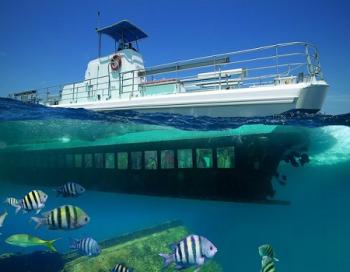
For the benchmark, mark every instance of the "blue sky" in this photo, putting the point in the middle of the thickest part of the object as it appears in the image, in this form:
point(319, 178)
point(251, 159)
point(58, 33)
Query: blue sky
point(46, 43)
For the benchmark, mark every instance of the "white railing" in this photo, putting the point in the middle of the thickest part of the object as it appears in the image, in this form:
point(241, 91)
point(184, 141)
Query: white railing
point(274, 64)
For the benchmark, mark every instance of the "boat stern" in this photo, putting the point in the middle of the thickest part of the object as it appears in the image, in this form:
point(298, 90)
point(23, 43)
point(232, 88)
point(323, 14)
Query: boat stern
point(311, 98)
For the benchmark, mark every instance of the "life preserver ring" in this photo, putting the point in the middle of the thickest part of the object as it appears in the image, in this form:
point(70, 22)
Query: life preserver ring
point(116, 62)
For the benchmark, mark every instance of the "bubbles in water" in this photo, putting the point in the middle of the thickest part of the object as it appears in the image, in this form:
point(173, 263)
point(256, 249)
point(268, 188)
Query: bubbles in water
point(65, 139)
point(330, 145)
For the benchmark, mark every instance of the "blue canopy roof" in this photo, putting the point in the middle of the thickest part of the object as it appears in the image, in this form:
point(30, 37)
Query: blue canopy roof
point(123, 30)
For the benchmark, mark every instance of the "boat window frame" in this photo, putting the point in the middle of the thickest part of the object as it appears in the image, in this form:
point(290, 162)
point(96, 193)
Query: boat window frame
point(119, 154)
point(232, 158)
point(69, 160)
point(98, 158)
point(211, 165)
point(91, 160)
point(138, 156)
point(112, 163)
point(80, 165)
point(155, 152)
point(179, 165)
point(162, 166)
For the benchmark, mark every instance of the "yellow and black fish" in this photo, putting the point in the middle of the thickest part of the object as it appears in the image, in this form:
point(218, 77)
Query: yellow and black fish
point(267, 264)
point(66, 217)
point(11, 201)
point(121, 268)
point(193, 250)
point(70, 189)
point(267, 250)
point(34, 200)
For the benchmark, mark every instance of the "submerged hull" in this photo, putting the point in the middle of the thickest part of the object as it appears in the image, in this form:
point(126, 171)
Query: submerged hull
point(231, 168)
point(244, 102)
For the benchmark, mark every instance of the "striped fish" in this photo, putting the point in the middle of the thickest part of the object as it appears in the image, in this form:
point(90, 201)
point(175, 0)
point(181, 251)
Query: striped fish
point(66, 217)
point(2, 219)
point(267, 250)
point(87, 246)
point(34, 200)
point(267, 264)
point(191, 251)
point(11, 201)
point(121, 268)
point(70, 189)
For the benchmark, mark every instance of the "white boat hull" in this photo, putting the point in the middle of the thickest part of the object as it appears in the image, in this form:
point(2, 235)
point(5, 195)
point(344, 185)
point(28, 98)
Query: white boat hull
point(244, 102)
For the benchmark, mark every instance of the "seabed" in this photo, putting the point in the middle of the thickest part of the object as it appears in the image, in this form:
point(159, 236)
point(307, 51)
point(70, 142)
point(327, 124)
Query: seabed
point(138, 250)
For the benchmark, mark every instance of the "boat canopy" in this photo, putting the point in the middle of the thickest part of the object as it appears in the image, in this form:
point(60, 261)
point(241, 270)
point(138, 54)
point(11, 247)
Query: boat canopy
point(123, 31)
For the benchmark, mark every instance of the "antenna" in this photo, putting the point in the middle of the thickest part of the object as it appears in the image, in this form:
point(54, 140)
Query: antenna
point(98, 19)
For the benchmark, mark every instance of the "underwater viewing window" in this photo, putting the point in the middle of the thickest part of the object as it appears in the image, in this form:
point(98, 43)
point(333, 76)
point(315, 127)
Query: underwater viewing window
point(184, 158)
point(88, 160)
point(122, 158)
point(226, 157)
point(151, 160)
point(69, 160)
point(78, 160)
point(109, 160)
point(256, 165)
point(204, 158)
point(60, 160)
point(167, 159)
point(136, 160)
point(98, 160)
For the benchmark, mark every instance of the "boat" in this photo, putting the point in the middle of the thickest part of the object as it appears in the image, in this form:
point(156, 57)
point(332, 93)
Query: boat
point(260, 81)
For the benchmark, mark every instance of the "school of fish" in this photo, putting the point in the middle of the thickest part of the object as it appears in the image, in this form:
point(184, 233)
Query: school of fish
point(190, 252)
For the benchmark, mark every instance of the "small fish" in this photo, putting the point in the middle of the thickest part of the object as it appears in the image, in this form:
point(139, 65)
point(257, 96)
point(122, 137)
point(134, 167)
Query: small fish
point(267, 250)
point(34, 200)
point(190, 251)
point(2, 219)
point(11, 201)
point(121, 268)
point(86, 246)
point(26, 240)
point(70, 189)
point(267, 264)
point(66, 217)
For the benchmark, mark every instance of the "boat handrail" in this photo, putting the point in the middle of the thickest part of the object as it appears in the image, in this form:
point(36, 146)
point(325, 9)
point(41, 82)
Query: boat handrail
point(236, 69)
point(225, 55)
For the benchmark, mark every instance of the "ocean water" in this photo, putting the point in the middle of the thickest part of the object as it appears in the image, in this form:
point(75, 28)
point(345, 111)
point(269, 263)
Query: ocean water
point(309, 233)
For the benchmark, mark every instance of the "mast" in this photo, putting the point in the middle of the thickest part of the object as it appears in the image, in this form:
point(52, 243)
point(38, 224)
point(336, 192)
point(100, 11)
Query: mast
point(99, 34)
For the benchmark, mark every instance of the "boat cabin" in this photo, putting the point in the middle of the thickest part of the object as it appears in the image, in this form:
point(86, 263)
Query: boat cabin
point(105, 74)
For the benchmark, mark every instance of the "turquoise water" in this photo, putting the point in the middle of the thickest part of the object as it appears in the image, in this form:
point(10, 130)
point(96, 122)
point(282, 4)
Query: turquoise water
point(312, 234)
point(309, 234)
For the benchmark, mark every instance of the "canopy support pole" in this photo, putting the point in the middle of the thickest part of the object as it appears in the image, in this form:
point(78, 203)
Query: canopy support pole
point(99, 45)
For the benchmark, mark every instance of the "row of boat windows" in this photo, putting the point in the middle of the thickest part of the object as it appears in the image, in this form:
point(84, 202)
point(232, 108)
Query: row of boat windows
point(150, 160)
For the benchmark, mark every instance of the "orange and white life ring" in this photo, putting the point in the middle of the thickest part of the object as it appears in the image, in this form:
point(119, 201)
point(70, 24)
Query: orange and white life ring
point(116, 62)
